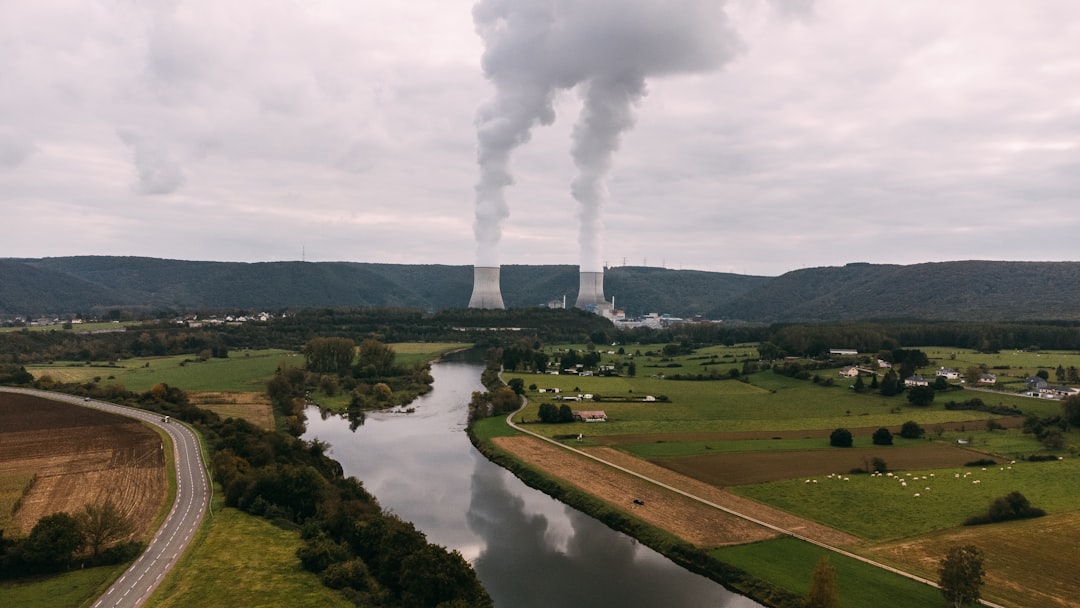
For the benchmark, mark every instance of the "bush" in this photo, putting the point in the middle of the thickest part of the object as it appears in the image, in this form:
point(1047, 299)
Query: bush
point(841, 438)
point(982, 462)
point(911, 430)
point(1007, 508)
point(882, 436)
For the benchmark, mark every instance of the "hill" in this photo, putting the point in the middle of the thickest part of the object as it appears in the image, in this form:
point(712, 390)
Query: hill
point(967, 290)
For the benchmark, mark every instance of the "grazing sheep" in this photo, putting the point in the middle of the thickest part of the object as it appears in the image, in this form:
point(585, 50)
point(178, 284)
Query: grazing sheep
point(916, 494)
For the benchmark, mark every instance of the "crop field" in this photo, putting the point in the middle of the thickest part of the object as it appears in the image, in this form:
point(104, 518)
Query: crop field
point(79, 456)
point(251, 406)
point(14, 483)
point(765, 437)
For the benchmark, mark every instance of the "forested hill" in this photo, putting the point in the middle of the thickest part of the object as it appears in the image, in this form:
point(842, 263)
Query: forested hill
point(971, 290)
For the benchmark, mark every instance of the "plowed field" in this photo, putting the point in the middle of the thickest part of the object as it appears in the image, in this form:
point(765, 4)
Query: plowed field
point(79, 456)
point(684, 517)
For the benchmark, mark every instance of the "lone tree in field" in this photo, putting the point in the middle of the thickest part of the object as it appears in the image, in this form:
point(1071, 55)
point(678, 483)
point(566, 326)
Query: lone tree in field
point(840, 438)
point(882, 436)
point(823, 589)
point(921, 395)
point(102, 524)
point(961, 575)
point(911, 430)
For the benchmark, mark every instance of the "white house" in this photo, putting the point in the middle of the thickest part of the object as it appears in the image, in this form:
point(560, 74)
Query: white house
point(987, 379)
point(849, 372)
point(916, 380)
point(949, 373)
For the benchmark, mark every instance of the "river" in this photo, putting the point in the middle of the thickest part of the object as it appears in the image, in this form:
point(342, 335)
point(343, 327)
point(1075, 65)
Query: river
point(528, 549)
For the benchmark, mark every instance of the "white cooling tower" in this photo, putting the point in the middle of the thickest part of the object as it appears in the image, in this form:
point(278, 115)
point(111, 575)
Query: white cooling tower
point(485, 289)
point(591, 291)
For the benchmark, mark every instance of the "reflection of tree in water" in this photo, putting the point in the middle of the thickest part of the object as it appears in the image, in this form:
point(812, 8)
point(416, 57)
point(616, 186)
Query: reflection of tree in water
point(599, 567)
point(356, 418)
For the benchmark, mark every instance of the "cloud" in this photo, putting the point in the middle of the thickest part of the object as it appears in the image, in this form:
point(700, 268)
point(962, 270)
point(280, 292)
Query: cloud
point(156, 172)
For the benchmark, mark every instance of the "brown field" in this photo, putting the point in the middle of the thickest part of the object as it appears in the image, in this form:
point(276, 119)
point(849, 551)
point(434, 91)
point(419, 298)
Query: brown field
point(1039, 552)
point(251, 406)
point(686, 518)
point(80, 456)
point(739, 468)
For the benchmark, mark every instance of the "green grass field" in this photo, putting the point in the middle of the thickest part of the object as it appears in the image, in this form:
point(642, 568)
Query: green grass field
point(243, 560)
point(243, 370)
point(879, 508)
point(69, 590)
point(789, 563)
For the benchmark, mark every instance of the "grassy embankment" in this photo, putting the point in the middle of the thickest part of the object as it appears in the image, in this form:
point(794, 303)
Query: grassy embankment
point(704, 418)
point(243, 560)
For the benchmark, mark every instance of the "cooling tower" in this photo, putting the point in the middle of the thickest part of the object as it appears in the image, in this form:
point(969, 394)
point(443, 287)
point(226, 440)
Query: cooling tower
point(485, 289)
point(591, 291)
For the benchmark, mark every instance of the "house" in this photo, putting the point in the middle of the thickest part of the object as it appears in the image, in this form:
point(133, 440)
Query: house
point(883, 364)
point(1035, 383)
point(916, 380)
point(949, 373)
point(843, 352)
point(849, 372)
point(987, 379)
point(590, 416)
point(1058, 392)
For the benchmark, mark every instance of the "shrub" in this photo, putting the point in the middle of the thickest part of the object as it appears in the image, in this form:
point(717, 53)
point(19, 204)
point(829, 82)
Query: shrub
point(911, 430)
point(841, 438)
point(882, 436)
point(1007, 508)
point(982, 462)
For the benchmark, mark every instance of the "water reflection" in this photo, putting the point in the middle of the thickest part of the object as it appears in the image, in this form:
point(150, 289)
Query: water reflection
point(528, 549)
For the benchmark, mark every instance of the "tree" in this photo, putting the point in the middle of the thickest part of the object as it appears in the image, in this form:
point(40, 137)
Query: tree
point(823, 590)
point(921, 395)
point(382, 391)
point(911, 430)
point(890, 384)
point(375, 356)
point(548, 413)
point(52, 542)
point(517, 385)
point(840, 438)
point(329, 355)
point(102, 524)
point(961, 575)
point(860, 386)
point(565, 413)
point(882, 436)
point(1070, 407)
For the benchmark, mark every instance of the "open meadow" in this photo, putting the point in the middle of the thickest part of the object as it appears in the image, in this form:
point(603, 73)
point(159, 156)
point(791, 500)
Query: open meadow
point(765, 436)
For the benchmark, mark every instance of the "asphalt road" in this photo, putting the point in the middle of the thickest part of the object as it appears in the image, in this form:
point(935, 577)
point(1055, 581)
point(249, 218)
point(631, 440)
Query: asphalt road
point(134, 587)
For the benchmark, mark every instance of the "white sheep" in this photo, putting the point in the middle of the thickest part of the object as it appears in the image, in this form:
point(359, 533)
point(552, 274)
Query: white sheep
point(916, 494)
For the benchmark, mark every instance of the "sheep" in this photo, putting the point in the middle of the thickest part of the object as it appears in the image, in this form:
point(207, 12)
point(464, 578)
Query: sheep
point(916, 494)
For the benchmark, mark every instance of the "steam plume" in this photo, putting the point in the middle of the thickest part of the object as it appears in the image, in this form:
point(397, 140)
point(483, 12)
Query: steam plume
point(534, 48)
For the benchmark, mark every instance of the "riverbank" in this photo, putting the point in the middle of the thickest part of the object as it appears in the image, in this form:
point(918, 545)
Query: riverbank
point(489, 437)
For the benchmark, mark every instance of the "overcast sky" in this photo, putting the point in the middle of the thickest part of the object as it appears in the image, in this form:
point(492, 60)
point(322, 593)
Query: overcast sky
point(268, 130)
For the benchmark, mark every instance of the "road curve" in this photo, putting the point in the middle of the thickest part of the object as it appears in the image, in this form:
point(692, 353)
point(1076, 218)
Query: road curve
point(138, 582)
point(515, 426)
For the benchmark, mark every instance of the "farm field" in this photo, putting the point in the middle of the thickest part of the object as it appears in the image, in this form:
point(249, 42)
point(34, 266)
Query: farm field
point(78, 457)
point(764, 436)
point(251, 406)
point(68, 590)
point(245, 370)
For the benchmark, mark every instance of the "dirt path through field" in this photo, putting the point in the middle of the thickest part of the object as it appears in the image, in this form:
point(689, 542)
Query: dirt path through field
point(689, 519)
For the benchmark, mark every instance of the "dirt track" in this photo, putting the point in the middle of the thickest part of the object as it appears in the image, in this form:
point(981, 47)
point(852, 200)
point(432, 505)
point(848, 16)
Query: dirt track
point(686, 518)
point(80, 457)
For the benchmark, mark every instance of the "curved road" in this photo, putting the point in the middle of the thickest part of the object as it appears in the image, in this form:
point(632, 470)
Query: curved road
point(134, 587)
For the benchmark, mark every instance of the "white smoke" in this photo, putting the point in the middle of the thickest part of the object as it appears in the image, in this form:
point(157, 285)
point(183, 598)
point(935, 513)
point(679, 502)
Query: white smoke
point(534, 48)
